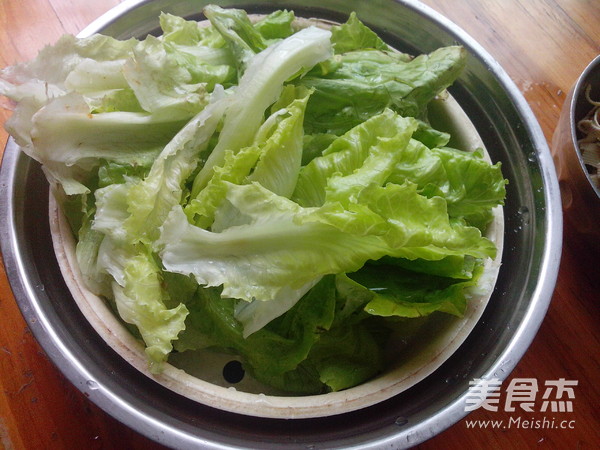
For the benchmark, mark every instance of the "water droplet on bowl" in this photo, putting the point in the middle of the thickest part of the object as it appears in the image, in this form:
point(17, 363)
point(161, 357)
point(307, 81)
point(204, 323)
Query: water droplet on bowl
point(400, 421)
point(92, 385)
point(524, 215)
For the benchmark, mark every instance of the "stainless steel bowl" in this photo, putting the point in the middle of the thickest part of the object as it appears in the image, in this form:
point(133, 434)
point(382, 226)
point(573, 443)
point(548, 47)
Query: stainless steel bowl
point(522, 294)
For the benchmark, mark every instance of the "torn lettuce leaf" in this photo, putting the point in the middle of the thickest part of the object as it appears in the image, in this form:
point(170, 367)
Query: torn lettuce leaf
point(305, 351)
point(278, 347)
point(150, 200)
point(260, 87)
point(354, 35)
point(243, 38)
point(363, 83)
point(470, 185)
point(381, 137)
point(404, 293)
point(83, 100)
point(273, 161)
point(139, 298)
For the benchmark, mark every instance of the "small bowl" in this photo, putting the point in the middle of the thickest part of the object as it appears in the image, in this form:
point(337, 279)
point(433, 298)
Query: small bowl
point(580, 196)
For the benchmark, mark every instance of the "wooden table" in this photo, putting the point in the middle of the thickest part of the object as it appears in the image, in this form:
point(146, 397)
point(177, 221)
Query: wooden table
point(543, 45)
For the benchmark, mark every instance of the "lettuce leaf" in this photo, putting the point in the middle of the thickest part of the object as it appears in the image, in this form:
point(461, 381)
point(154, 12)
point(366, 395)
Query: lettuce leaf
point(273, 161)
point(245, 39)
point(140, 298)
point(379, 138)
point(354, 35)
point(404, 293)
point(269, 258)
point(85, 100)
point(309, 350)
point(275, 349)
point(150, 200)
point(259, 87)
point(470, 185)
point(363, 83)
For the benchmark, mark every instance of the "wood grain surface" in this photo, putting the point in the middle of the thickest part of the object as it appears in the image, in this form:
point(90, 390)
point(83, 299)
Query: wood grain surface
point(543, 45)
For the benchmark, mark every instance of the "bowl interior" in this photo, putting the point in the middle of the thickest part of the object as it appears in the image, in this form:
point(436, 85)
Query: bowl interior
point(580, 107)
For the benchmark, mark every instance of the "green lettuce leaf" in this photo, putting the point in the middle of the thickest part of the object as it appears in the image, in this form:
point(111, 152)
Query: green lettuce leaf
point(275, 349)
point(188, 33)
point(201, 51)
point(453, 266)
point(386, 134)
point(354, 35)
point(259, 87)
point(162, 84)
point(275, 26)
point(273, 161)
point(269, 258)
point(419, 227)
point(70, 141)
point(139, 298)
point(150, 200)
point(301, 352)
point(85, 100)
point(284, 246)
point(364, 83)
point(347, 356)
point(243, 40)
point(402, 293)
point(470, 185)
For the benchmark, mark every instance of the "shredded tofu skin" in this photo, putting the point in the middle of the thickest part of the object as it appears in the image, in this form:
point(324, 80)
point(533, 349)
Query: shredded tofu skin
point(589, 144)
